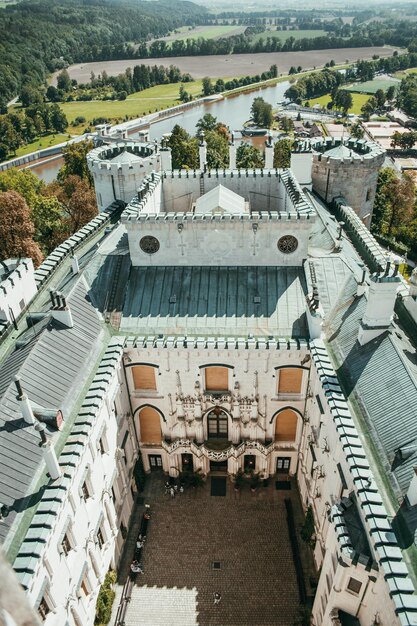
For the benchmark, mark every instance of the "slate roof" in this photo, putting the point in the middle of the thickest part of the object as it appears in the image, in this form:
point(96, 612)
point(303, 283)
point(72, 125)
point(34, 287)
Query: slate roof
point(126, 157)
point(216, 300)
point(53, 368)
point(378, 376)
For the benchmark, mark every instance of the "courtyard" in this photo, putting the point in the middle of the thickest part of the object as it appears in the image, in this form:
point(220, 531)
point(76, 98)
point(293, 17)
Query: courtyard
point(197, 544)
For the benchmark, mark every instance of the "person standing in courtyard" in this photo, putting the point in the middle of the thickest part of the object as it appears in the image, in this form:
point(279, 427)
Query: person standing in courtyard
point(217, 597)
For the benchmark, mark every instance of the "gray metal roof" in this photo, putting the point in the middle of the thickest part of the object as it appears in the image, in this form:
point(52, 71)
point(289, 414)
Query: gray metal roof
point(53, 369)
point(379, 377)
point(216, 300)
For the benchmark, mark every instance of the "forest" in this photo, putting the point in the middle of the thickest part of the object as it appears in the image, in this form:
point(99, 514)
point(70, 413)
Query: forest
point(41, 37)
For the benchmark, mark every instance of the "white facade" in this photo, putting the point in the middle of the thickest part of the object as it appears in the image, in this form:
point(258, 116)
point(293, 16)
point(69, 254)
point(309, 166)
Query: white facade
point(17, 288)
point(78, 531)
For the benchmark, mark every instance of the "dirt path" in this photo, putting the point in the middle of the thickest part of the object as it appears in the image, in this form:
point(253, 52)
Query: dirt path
point(233, 64)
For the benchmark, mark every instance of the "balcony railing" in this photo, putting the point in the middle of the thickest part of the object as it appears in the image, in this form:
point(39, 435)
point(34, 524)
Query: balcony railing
point(220, 455)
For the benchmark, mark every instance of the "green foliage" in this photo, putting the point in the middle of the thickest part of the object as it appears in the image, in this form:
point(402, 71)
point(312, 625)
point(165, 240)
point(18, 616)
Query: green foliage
point(261, 113)
point(139, 474)
point(369, 107)
point(248, 156)
point(239, 479)
point(282, 153)
point(206, 123)
point(307, 531)
point(217, 149)
point(357, 131)
point(75, 161)
point(192, 479)
point(105, 600)
point(25, 182)
point(342, 100)
point(184, 149)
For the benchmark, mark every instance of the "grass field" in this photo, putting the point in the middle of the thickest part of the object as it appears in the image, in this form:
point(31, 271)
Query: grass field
point(136, 104)
point(371, 86)
point(41, 143)
point(282, 35)
point(207, 32)
point(359, 100)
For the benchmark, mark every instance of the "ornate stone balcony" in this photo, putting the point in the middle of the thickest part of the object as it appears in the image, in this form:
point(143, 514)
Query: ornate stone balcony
point(220, 455)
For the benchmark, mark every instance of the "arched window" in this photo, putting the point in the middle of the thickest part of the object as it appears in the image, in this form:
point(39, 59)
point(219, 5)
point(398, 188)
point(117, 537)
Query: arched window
point(286, 425)
point(217, 427)
point(150, 426)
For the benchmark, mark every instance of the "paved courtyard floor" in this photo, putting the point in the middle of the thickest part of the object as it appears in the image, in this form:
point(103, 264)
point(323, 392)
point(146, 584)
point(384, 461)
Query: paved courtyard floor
point(246, 533)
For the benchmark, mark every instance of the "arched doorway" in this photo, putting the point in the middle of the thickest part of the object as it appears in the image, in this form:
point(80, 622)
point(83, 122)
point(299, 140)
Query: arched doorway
point(150, 426)
point(217, 424)
point(286, 425)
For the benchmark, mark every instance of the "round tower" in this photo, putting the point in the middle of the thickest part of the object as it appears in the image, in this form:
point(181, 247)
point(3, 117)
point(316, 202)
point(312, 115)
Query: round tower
point(349, 168)
point(119, 168)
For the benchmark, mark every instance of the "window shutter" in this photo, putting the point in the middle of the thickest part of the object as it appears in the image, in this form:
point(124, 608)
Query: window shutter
point(217, 379)
point(290, 380)
point(144, 377)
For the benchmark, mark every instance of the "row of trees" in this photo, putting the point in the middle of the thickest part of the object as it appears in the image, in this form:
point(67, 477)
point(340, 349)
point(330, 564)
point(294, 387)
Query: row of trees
point(220, 85)
point(184, 148)
point(407, 96)
point(36, 217)
point(134, 79)
point(315, 84)
point(22, 127)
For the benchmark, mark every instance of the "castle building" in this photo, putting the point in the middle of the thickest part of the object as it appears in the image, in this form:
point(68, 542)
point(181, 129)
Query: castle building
point(226, 323)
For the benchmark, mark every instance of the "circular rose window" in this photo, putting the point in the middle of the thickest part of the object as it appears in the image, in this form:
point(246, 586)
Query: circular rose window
point(149, 244)
point(287, 244)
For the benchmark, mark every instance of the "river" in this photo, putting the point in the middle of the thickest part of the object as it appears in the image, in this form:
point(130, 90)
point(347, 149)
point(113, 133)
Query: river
point(232, 111)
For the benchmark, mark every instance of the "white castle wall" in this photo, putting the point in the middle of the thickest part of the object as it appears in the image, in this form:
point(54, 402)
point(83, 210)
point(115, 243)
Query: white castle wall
point(353, 178)
point(120, 181)
point(18, 289)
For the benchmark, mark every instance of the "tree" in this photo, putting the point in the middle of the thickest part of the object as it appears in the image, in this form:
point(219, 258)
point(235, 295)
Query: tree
point(47, 216)
point(58, 119)
point(77, 200)
point(24, 182)
point(206, 123)
point(343, 100)
point(248, 156)
point(207, 86)
point(261, 113)
point(357, 130)
point(64, 81)
point(390, 93)
point(217, 150)
point(369, 108)
point(53, 94)
point(75, 161)
point(184, 149)
point(17, 229)
point(282, 153)
point(29, 96)
point(380, 97)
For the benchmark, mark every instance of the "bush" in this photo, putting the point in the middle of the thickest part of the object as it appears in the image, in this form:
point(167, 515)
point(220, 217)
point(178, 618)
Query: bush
point(79, 120)
point(307, 531)
point(105, 600)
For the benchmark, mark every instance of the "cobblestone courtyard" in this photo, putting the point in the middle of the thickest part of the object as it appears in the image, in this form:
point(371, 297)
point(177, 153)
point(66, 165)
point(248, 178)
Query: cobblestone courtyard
point(247, 533)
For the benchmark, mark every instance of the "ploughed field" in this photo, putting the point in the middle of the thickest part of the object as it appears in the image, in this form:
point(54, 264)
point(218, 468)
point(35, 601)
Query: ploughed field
point(232, 65)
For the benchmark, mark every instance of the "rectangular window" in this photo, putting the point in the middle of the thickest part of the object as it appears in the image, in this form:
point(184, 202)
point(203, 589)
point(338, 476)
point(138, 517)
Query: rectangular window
point(44, 608)
point(144, 377)
point(354, 585)
point(100, 539)
point(217, 378)
point(85, 490)
point(84, 587)
point(289, 380)
point(319, 404)
point(66, 544)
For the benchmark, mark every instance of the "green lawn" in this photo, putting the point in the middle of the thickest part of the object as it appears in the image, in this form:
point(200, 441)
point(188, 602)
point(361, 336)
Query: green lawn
point(41, 143)
point(371, 86)
point(359, 100)
point(282, 35)
point(136, 104)
point(209, 32)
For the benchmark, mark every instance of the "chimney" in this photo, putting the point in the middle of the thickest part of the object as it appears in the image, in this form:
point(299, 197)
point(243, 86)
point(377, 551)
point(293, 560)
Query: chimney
point(413, 283)
point(379, 310)
point(232, 153)
point(202, 151)
point(51, 460)
point(74, 265)
point(361, 288)
point(61, 311)
point(269, 154)
point(24, 403)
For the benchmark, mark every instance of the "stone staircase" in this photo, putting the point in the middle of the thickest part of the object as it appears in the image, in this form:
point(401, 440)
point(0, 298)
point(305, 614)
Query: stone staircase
point(162, 606)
